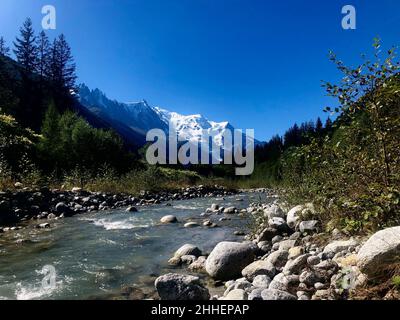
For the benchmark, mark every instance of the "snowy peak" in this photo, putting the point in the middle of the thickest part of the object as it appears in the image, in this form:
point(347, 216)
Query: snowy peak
point(141, 117)
point(192, 127)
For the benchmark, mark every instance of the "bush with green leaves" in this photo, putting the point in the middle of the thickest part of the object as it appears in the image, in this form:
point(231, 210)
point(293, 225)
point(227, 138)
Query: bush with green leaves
point(353, 174)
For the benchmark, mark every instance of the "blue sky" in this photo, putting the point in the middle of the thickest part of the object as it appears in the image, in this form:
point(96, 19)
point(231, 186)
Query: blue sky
point(256, 63)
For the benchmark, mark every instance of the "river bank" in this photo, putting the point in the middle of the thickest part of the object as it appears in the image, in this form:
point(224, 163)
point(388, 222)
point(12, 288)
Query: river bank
point(45, 204)
point(116, 254)
point(289, 258)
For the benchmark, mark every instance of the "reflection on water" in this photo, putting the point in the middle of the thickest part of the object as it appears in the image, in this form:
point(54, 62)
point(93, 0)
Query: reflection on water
point(97, 255)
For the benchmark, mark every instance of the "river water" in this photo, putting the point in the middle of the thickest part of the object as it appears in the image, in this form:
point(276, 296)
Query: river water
point(97, 254)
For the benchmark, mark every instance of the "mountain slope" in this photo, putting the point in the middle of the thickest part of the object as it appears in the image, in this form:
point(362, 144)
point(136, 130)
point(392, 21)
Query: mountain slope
point(140, 117)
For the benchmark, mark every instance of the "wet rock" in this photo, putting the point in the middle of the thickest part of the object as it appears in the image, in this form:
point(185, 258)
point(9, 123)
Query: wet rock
point(131, 209)
point(230, 210)
point(207, 223)
point(191, 225)
point(175, 261)
point(44, 225)
point(199, 265)
point(169, 219)
point(180, 287)
point(188, 249)
point(62, 208)
point(188, 259)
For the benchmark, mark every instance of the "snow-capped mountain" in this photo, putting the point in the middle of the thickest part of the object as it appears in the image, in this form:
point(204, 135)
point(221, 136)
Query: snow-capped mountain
point(193, 127)
point(141, 117)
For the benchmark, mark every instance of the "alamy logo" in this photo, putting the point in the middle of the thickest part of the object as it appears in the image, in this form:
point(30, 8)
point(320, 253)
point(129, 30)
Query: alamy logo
point(228, 147)
point(349, 20)
point(49, 279)
point(49, 20)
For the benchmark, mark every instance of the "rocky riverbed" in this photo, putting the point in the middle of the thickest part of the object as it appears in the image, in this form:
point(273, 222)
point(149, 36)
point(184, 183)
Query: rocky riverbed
point(286, 259)
point(45, 204)
point(122, 247)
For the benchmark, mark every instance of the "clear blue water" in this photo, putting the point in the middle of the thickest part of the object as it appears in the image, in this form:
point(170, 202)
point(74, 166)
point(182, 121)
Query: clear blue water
point(96, 254)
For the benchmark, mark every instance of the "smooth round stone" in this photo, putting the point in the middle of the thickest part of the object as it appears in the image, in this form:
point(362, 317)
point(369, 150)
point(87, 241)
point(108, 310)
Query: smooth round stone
point(169, 219)
point(191, 225)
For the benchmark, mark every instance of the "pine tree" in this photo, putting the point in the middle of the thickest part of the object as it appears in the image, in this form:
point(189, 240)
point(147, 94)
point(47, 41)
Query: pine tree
point(43, 54)
point(4, 50)
point(62, 66)
point(25, 47)
point(328, 125)
point(49, 146)
point(319, 127)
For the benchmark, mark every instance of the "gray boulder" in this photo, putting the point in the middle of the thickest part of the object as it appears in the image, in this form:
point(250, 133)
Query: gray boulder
point(285, 245)
point(191, 224)
point(229, 210)
point(180, 287)
point(309, 226)
point(131, 209)
point(274, 211)
point(382, 249)
point(267, 234)
point(168, 219)
point(228, 259)
point(296, 265)
point(260, 267)
point(62, 208)
point(255, 294)
point(277, 223)
point(293, 216)
point(278, 259)
point(334, 247)
point(273, 294)
point(236, 294)
point(309, 278)
point(188, 249)
point(261, 281)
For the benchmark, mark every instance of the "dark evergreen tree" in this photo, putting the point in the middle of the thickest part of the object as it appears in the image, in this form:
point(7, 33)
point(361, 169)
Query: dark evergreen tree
point(328, 125)
point(4, 50)
point(319, 127)
point(62, 66)
point(25, 47)
point(43, 55)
